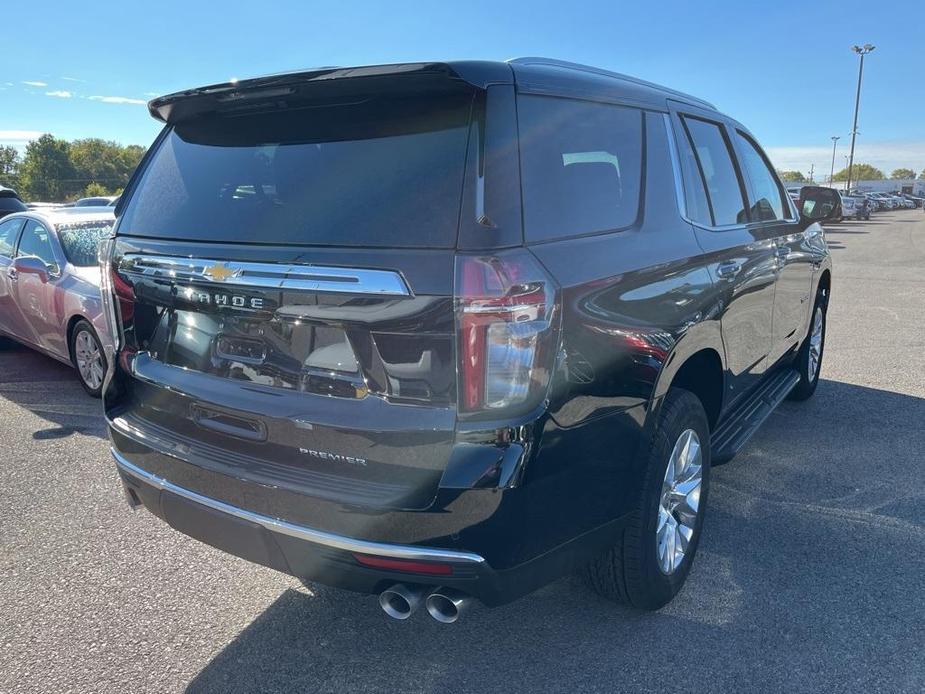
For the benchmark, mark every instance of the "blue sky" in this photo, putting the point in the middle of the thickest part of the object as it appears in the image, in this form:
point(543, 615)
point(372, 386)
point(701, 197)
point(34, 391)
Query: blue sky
point(783, 68)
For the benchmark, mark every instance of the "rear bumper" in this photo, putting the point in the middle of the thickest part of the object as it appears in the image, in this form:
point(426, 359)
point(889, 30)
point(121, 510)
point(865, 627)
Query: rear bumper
point(329, 558)
point(298, 532)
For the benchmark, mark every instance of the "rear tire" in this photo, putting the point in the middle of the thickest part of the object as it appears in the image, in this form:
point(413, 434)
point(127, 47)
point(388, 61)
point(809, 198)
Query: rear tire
point(644, 569)
point(809, 359)
point(88, 358)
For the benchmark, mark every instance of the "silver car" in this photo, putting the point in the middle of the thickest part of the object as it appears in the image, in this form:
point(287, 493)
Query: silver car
point(50, 286)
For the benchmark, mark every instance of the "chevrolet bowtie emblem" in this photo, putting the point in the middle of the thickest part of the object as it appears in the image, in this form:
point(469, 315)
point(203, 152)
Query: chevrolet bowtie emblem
point(220, 272)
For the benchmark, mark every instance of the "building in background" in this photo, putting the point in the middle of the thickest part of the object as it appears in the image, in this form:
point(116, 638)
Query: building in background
point(910, 186)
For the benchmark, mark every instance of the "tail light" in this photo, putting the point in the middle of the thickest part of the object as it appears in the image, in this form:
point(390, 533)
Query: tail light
point(506, 310)
point(117, 295)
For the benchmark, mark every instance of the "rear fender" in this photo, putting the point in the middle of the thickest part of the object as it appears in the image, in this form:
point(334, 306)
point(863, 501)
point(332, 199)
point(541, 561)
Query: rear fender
point(703, 335)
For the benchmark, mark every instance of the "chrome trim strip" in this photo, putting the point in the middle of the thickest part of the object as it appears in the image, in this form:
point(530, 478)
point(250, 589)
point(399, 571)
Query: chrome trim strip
point(315, 278)
point(675, 167)
point(319, 537)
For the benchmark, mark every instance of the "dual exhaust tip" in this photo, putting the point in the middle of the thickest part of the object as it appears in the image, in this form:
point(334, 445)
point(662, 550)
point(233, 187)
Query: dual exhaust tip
point(443, 604)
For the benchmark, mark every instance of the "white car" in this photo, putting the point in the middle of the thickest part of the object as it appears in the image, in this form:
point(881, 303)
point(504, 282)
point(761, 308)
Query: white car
point(856, 206)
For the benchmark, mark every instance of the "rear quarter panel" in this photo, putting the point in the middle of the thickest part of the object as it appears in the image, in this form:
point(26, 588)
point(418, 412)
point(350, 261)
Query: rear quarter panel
point(636, 304)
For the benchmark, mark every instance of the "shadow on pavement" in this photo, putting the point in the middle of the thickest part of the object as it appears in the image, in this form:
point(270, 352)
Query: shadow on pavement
point(804, 579)
point(50, 390)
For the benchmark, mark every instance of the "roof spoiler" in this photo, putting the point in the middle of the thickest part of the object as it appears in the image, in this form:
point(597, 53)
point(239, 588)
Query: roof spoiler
point(180, 106)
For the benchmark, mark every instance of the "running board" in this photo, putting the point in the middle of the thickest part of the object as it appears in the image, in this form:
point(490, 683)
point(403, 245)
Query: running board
point(743, 421)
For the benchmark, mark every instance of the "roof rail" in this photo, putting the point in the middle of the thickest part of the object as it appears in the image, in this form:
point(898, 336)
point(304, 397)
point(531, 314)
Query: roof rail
point(551, 62)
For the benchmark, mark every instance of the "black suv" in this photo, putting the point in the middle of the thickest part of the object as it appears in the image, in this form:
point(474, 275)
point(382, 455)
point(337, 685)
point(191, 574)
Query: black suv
point(444, 331)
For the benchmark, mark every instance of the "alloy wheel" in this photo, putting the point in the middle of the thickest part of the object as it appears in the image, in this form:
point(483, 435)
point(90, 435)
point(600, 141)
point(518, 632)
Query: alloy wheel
point(89, 357)
point(680, 502)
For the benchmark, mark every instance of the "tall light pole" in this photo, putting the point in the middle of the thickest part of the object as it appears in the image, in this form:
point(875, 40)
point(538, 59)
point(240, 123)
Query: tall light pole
point(812, 168)
point(835, 139)
point(861, 51)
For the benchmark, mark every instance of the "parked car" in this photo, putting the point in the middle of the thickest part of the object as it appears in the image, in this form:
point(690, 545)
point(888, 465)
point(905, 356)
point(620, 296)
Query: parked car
point(450, 337)
point(39, 205)
point(50, 287)
point(885, 201)
point(98, 201)
point(873, 204)
point(9, 202)
point(855, 207)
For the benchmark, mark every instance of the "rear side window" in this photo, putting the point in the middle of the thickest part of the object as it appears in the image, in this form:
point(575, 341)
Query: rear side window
point(581, 166)
point(766, 199)
point(714, 160)
point(376, 170)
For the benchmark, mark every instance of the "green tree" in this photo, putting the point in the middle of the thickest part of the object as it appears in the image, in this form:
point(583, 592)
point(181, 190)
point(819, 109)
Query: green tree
point(922, 175)
point(860, 172)
point(95, 190)
point(47, 172)
point(902, 173)
point(103, 162)
point(9, 166)
point(791, 176)
point(56, 170)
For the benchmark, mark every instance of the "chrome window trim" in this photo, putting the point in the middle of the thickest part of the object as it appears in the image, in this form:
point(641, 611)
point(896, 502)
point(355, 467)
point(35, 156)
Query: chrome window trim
point(301, 532)
point(282, 276)
point(675, 155)
point(679, 186)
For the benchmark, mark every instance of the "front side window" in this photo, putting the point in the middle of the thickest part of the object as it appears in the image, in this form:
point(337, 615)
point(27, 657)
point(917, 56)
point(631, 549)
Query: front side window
point(581, 166)
point(766, 199)
point(36, 241)
point(714, 160)
point(8, 231)
point(81, 241)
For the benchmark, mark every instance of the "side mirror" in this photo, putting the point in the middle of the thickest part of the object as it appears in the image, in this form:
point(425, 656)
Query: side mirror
point(818, 204)
point(32, 265)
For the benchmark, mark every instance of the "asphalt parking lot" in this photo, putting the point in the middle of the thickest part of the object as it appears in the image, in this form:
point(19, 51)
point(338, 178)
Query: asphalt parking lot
point(810, 576)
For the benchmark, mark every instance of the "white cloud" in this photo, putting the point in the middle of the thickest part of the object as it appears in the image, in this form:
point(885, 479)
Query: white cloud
point(19, 138)
point(885, 155)
point(60, 93)
point(33, 83)
point(116, 100)
point(72, 79)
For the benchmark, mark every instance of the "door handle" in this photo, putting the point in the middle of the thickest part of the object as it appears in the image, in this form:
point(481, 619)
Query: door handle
point(729, 269)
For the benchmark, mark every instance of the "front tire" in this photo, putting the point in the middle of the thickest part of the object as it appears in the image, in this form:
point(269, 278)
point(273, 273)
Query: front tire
point(809, 358)
point(652, 558)
point(88, 357)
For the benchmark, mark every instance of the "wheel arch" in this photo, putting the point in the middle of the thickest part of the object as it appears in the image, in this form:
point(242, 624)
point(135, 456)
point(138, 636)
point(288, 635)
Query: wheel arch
point(825, 285)
point(698, 365)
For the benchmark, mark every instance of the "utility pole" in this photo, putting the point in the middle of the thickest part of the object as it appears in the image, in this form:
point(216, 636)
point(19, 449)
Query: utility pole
point(812, 168)
point(861, 51)
point(835, 139)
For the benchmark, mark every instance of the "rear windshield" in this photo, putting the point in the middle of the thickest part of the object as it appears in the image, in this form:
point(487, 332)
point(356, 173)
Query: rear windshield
point(371, 171)
point(11, 204)
point(80, 240)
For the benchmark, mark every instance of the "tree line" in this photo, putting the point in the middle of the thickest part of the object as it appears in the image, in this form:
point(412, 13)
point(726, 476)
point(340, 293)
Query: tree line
point(859, 172)
point(56, 170)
